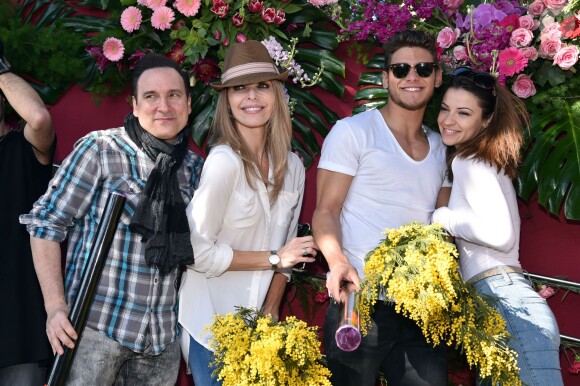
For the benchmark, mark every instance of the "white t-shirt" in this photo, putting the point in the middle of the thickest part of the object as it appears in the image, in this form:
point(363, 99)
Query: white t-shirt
point(483, 216)
point(389, 188)
point(225, 213)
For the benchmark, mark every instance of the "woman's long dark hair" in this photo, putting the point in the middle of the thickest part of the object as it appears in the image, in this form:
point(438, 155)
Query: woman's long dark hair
point(500, 142)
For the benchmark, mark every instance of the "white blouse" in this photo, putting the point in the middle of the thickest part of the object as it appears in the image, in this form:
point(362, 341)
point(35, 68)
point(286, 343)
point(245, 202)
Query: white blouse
point(225, 214)
point(483, 216)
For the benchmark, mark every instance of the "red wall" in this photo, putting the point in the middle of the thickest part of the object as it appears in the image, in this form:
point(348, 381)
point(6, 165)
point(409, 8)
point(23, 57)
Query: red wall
point(549, 245)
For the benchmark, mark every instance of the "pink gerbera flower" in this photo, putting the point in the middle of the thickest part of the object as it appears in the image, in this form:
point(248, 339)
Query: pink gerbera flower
point(511, 61)
point(156, 4)
point(162, 18)
point(113, 49)
point(187, 7)
point(131, 19)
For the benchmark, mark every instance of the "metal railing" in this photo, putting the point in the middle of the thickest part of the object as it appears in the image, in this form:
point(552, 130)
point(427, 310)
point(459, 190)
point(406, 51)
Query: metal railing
point(570, 285)
point(547, 279)
point(555, 281)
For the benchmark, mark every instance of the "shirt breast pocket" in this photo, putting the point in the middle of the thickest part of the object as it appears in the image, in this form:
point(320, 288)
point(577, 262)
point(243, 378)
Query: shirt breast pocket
point(243, 212)
point(287, 203)
point(131, 190)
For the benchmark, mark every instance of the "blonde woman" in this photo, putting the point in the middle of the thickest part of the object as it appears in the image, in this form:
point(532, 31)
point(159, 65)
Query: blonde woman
point(244, 215)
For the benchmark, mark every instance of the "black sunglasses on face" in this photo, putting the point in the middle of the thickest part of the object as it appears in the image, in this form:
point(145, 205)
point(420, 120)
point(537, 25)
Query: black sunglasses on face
point(480, 79)
point(423, 69)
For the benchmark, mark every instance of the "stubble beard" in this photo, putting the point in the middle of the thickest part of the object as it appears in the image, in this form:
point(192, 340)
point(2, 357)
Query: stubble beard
point(394, 98)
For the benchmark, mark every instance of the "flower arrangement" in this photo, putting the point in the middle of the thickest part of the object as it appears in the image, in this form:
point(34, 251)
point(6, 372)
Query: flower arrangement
point(253, 349)
point(416, 267)
point(524, 46)
point(187, 30)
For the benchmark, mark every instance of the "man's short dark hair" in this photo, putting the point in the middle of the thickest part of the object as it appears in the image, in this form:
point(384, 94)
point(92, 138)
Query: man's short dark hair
point(409, 38)
point(153, 60)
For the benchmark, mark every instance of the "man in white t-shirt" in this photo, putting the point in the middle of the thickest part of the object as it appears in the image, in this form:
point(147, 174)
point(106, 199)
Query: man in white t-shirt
point(382, 169)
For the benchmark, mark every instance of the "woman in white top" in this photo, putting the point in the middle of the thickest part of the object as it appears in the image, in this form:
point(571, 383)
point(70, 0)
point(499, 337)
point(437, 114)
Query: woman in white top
point(481, 122)
point(244, 215)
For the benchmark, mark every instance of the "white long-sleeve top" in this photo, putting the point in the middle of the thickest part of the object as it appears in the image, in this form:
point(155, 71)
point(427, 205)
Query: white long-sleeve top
point(225, 214)
point(483, 216)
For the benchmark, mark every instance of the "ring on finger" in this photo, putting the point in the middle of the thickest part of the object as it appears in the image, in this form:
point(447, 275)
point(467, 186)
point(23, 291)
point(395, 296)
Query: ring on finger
point(304, 251)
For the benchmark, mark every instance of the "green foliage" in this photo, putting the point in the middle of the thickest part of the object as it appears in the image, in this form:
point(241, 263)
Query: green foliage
point(41, 51)
point(552, 160)
point(305, 287)
point(552, 153)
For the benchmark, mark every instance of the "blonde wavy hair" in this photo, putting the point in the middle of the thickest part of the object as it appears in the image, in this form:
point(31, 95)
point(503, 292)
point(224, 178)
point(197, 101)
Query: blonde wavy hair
point(278, 138)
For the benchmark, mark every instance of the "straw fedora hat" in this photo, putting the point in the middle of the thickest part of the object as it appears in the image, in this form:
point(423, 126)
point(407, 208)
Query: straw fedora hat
point(246, 63)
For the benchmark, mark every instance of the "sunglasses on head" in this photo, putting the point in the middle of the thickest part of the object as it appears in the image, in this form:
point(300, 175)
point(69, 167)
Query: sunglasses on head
point(423, 69)
point(480, 79)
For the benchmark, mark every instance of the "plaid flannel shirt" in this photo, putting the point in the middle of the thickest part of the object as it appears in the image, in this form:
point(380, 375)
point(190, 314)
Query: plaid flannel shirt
point(133, 304)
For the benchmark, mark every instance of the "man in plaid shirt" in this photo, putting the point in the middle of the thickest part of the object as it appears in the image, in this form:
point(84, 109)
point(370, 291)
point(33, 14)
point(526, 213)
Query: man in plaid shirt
point(131, 333)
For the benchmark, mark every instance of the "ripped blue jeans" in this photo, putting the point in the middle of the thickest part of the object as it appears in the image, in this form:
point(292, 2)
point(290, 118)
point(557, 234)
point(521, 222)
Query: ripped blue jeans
point(531, 322)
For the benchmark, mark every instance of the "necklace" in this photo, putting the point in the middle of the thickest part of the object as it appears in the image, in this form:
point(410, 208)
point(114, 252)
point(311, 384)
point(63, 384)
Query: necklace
point(260, 156)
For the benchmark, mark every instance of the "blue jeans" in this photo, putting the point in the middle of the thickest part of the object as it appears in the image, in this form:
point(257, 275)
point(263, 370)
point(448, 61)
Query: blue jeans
point(393, 345)
point(200, 360)
point(100, 360)
point(532, 324)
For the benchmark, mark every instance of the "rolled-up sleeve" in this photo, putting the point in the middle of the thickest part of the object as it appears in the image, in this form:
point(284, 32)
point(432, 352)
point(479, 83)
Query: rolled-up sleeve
point(69, 193)
point(206, 213)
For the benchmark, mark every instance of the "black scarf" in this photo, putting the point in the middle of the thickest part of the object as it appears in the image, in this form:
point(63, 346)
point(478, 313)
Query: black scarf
point(160, 215)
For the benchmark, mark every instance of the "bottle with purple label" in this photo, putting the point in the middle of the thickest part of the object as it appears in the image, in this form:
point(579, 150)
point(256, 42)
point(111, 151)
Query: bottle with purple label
point(348, 334)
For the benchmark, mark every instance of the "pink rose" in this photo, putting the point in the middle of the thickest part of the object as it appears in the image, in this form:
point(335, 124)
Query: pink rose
point(240, 38)
point(446, 37)
point(237, 20)
point(574, 368)
point(555, 5)
point(280, 17)
point(536, 8)
point(256, 6)
point(452, 4)
point(460, 53)
point(220, 8)
point(527, 22)
point(226, 42)
point(551, 32)
point(546, 292)
point(566, 57)
point(530, 52)
point(321, 296)
point(268, 14)
point(521, 37)
point(217, 34)
point(548, 48)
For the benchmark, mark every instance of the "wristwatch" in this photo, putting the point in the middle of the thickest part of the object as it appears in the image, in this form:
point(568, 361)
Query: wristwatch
point(274, 259)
